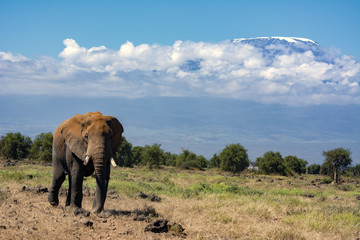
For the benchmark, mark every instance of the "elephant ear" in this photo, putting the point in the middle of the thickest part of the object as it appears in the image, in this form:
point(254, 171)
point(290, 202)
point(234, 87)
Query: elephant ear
point(117, 129)
point(71, 132)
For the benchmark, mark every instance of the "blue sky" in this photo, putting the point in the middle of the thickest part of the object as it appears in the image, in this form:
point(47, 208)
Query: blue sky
point(38, 27)
point(127, 58)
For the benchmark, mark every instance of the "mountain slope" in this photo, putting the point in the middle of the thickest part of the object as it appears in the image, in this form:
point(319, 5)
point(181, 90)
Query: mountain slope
point(284, 45)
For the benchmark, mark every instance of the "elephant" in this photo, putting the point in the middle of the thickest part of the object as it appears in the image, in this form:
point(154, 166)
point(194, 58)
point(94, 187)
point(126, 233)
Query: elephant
point(82, 145)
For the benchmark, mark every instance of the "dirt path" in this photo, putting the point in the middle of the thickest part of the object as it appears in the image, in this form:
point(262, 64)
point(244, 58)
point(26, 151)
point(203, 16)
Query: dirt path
point(28, 215)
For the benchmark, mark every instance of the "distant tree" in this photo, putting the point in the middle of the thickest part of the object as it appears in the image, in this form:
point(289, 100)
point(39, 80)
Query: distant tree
point(153, 156)
point(41, 148)
point(313, 169)
point(327, 169)
point(214, 161)
point(137, 154)
point(271, 162)
point(201, 162)
point(339, 159)
point(170, 159)
point(234, 158)
point(354, 171)
point(188, 159)
point(15, 146)
point(295, 164)
point(124, 154)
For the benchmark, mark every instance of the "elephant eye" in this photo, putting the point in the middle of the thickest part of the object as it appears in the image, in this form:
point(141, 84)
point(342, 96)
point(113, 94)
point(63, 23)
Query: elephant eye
point(86, 137)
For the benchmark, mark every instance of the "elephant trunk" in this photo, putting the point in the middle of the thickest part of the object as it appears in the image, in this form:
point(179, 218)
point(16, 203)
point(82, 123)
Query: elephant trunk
point(102, 173)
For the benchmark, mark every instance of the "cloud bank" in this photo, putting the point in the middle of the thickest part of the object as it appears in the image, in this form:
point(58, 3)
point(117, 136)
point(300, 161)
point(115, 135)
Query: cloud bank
point(187, 69)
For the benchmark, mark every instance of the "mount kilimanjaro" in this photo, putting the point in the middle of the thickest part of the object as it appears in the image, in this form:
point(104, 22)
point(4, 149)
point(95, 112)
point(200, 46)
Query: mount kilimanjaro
point(272, 46)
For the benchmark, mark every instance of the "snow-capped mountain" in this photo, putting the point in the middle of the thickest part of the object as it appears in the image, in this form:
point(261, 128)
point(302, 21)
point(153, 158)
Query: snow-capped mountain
point(265, 41)
point(271, 48)
point(283, 45)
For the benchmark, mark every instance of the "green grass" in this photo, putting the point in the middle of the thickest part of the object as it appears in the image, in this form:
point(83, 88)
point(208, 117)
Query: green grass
point(329, 209)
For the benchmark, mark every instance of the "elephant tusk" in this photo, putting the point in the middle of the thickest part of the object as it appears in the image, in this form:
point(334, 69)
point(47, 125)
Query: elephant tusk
point(87, 159)
point(113, 162)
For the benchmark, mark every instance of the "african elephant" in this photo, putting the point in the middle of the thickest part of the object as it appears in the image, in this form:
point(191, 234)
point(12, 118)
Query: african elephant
point(81, 145)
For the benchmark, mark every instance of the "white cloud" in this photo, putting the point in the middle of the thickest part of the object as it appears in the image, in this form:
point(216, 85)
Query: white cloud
point(186, 69)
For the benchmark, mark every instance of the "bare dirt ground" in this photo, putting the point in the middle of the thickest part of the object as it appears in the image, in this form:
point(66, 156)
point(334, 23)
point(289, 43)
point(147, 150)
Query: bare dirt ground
point(28, 215)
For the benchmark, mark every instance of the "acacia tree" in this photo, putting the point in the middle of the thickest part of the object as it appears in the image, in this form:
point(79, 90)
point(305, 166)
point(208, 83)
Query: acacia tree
point(234, 158)
point(339, 159)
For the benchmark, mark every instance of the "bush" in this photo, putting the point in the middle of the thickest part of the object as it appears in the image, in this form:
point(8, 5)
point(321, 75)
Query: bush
point(234, 158)
point(137, 153)
point(326, 180)
point(214, 161)
point(124, 155)
point(41, 149)
point(153, 156)
point(354, 171)
point(170, 159)
point(326, 169)
point(187, 160)
point(294, 164)
point(271, 162)
point(15, 146)
point(313, 169)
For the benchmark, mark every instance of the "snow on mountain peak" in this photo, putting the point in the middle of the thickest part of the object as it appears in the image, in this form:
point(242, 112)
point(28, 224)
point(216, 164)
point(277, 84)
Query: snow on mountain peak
point(288, 39)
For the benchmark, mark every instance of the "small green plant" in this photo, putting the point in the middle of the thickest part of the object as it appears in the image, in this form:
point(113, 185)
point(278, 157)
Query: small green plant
point(3, 196)
point(326, 180)
point(14, 175)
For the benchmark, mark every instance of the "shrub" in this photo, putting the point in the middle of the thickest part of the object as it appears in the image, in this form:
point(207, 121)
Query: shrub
point(153, 156)
point(42, 147)
point(326, 180)
point(234, 158)
point(124, 154)
point(271, 162)
point(214, 161)
point(313, 169)
point(15, 146)
point(137, 153)
point(294, 164)
point(170, 159)
point(187, 160)
point(354, 171)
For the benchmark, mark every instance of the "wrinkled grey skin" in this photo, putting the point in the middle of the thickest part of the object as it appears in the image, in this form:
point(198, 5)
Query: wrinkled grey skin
point(91, 137)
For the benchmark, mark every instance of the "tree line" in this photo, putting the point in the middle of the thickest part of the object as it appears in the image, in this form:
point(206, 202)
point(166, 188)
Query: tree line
point(233, 157)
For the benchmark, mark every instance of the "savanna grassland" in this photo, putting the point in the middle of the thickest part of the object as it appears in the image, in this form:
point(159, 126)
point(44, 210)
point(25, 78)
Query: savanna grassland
point(207, 204)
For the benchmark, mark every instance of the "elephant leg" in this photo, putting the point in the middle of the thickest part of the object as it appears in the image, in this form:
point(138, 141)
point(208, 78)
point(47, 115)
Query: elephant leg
point(58, 179)
point(75, 189)
point(68, 198)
